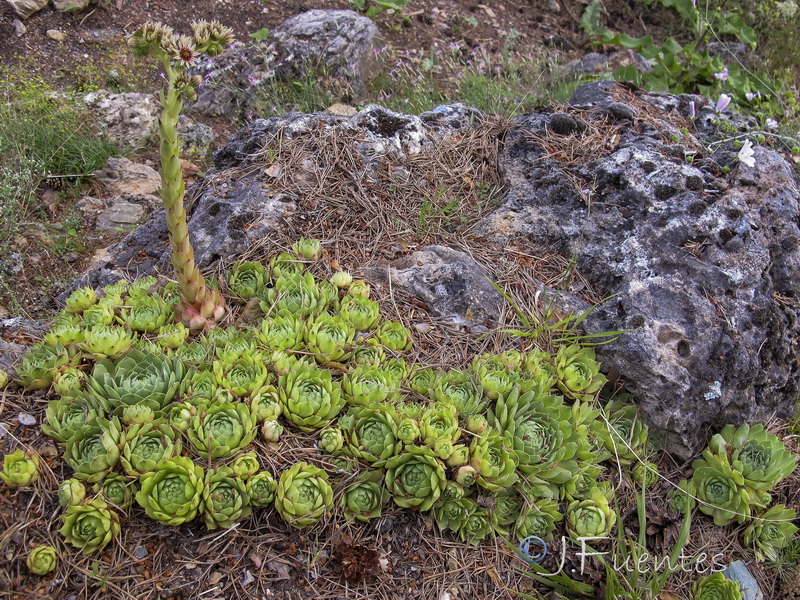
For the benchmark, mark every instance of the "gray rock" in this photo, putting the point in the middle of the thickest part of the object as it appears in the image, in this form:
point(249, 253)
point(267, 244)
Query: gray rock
point(130, 119)
point(195, 138)
point(70, 5)
point(19, 28)
point(738, 571)
point(11, 355)
point(56, 35)
point(123, 176)
point(25, 8)
point(454, 287)
point(594, 63)
point(90, 206)
point(694, 264)
point(121, 216)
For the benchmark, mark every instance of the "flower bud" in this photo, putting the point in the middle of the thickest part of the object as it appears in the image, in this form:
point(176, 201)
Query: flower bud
point(341, 279)
point(71, 492)
point(271, 431)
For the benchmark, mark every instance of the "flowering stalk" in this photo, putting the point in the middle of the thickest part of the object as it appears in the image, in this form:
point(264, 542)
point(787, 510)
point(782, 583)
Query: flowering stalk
point(199, 307)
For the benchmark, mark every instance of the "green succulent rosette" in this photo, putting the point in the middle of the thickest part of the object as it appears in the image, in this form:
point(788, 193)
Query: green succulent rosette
point(476, 424)
point(494, 460)
point(117, 490)
point(369, 385)
point(199, 384)
point(393, 335)
point(408, 430)
point(331, 440)
point(682, 497)
point(452, 491)
point(146, 314)
point(422, 380)
point(68, 414)
point(246, 279)
point(303, 495)
point(366, 352)
point(721, 490)
point(459, 456)
point(193, 354)
point(232, 344)
point(145, 446)
point(266, 405)
point(68, 380)
point(310, 397)
point(645, 473)
point(456, 388)
point(541, 431)
point(136, 378)
point(508, 506)
point(451, 513)
point(328, 338)
point(261, 489)
point(80, 300)
point(538, 371)
point(172, 336)
point(770, 531)
point(64, 335)
point(139, 414)
point(225, 499)
point(478, 524)
point(578, 372)
point(397, 369)
point(19, 469)
point(716, 587)
point(466, 475)
point(538, 518)
point(620, 434)
point(281, 332)
point(359, 287)
point(581, 483)
point(307, 248)
point(245, 465)
point(371, 433)
point(284, 264)
point(173, 492)
point(71, 491)
point(363, 313)
point(141, 287)
point(761, 458)
point(40, 364)
point(494, 375)
point(180, 415)
point(42, 560)
point(439, 422)
point(101, 314)
point(93, 450)
point(592, 517)
point(296, 294)
point(89, 526)
point(222, 429)
point(246, 376)
point(364, 499)
point(271, 431)
point(102, 342)
point(415, 478)
point(4, 378)
point(341, 279)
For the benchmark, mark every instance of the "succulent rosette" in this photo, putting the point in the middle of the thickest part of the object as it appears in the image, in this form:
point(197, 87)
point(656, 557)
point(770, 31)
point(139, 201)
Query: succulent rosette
point(71, 491)
point(172, 336)
point(415, 478)
point(592, 517)
point(232, 344)
point(261, 489)
point(331, 440)
point(394, 336)
point(42, 560)
point(225, 499)
point(466, 475)
point(222, 429)
point(310, 397)
point(136, 378)
point(538, 518)
point(281, 332)
point(193, 354)
point(181, 414)
point(422, 380)
point(770, 531)
point(581, 483)
point(451, 513)
point(508, 506)
point(65, 380)
point(476, 424)
point(328, 338)
point(541, 432)
point(64, 335)
point(716, 587)
point(396, 368)
point(457, 389)
point(146, 445)
point(80, 300)
point(141, 287)
point(245, 465)
point(307, 248)
point(271, 431)
point(478, 523)
point(761, 457)
point(538, 370)
point(645, 473)
point(139, 414)
point(578, 372)
point(4, 378)
point(146, 314)
point(408, 430)
point(285, 264)
point(494, 461)
point(89, 526)
point(341, 279)
point(369, 385)
point(266, 405)
point(459, 456)
point(371, 433)
point(101, 314)
point(19, 469)
point(439, 422)
point(303, 495)
point(104, 342)
point(621, 435)
point(721, 490)
point(495, 376)
point(173, 492)
point(363, 313)
point(40, 364)
point(246, 279)
point(68, 414)
point(199, 384)
point(681, 498)
point(364, 498)
point(93, 450)
point(295, 294)
point(116, 490)
point(359, 287)
point(244, 377)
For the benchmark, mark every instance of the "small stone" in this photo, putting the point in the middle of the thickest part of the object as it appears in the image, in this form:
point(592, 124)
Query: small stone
point(25, 8)
point(122, 215)
point(342, 110)
point(26, 419)
point(247, 578)
point(56, 35)
point(422, 327)
point(141, 552)
point(123, 176)
point(19, 28)
point(738, 571)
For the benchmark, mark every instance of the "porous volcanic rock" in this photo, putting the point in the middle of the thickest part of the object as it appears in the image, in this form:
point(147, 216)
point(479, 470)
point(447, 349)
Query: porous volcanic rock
point(702, 268)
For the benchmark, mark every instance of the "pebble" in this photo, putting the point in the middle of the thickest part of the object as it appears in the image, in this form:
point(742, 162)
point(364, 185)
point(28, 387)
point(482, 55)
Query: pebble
point(141, 552)
point(56, 35)
point(247, 578)
point(26, 419)
point(19, 28)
